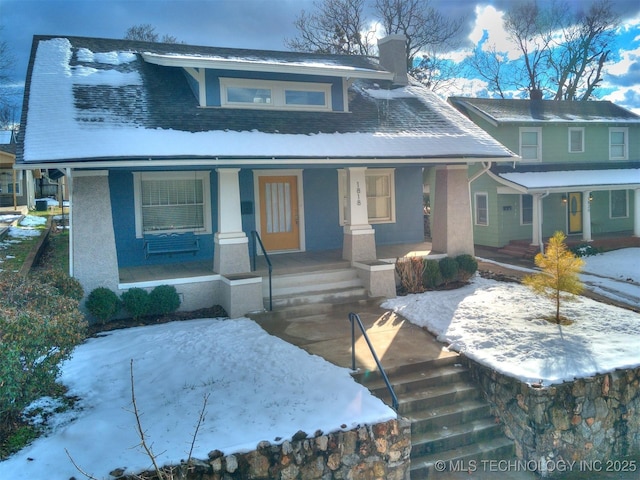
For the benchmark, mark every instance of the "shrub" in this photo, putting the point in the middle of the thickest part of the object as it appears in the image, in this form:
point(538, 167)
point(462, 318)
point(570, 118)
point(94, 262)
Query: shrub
point(448, 269)
point(164, 299)
point(136, 302)
point(467, 266)
point(103, 303)
point(410, 269)
point(37, 334)
point(431, 277)
point(585, 250)
point(66, 285)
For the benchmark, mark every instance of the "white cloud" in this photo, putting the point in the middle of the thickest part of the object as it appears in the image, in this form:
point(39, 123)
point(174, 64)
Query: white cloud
point(490, 20)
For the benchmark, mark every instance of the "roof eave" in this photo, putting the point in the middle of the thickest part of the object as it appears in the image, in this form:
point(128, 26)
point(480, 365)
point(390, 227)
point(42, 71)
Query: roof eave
point(262, 66)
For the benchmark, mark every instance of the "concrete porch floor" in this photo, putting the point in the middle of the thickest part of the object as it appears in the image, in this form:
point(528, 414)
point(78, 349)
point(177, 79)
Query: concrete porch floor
point(397, 342)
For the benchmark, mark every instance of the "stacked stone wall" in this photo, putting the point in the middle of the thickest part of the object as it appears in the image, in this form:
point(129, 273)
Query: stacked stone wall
point(595, 419)
point(379, 451)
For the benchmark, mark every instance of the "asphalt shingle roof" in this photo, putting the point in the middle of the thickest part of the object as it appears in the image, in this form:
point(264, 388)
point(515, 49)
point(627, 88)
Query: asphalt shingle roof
point(513, 110)
point(122, 108)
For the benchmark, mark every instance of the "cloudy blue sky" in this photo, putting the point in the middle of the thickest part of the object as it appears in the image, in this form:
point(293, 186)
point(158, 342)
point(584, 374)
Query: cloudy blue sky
point(265, 24)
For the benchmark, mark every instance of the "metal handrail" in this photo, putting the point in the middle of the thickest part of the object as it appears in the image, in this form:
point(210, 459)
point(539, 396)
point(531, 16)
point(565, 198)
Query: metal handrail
point(257, 240)
point(353, 317)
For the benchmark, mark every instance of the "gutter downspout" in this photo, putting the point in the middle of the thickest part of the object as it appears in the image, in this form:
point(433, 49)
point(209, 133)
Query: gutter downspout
point(484, 170)
point(70, 186)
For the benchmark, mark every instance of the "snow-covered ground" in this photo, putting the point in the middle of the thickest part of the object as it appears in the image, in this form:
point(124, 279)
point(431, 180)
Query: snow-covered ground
point(263, 388)
point(501, 324)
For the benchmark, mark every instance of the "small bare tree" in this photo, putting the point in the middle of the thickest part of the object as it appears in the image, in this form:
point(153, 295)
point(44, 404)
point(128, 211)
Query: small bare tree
point(145, 32)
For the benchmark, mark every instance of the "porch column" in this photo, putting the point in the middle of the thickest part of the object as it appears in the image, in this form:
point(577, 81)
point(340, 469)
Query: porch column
point(359, 242)
point(536, 220)
point(586, 217)
point(636, 212)
point(92, 246)
point(231, 245)
point(452, 228)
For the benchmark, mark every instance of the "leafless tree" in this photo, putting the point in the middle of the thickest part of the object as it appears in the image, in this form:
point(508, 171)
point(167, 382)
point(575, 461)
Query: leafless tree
point(8, 108)
point(339, 26)
point(577, 63)
point(425, 28)
point(491, 66)
point(336, 26)
point(147, 33)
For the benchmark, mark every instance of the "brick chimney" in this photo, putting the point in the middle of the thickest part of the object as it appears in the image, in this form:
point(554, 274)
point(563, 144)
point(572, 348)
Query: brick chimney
point(393, 57)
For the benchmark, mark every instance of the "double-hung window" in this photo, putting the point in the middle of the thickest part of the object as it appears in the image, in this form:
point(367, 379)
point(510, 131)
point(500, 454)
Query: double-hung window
point(531, 144)
point(619, 143)
point(7, 186)
point(380, 188)
point(172, 202)
point(618, 203)
point(526, 209)
point(482, 208)
point(576, 140)
point(271, 94)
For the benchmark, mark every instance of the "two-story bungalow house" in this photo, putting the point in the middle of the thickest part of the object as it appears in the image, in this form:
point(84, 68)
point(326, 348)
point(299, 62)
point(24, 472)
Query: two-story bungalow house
point(579, 173)
point(176, 154)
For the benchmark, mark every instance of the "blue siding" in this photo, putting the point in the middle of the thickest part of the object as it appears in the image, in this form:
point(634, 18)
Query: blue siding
point(129, 248)
point(409, 224)
point(322, 221)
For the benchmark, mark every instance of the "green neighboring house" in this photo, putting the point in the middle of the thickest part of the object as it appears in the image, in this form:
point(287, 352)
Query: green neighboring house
point(579, 171)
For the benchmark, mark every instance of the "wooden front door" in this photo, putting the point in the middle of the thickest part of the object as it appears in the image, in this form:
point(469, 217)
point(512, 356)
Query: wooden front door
point(279, 220)
point(574, 211)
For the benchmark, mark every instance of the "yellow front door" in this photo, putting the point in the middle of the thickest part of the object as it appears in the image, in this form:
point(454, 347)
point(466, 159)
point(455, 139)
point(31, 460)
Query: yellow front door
point(575, 212)
point(279, 219)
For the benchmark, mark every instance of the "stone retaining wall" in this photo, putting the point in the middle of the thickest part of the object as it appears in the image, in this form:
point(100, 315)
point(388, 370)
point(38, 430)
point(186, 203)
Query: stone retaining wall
point(379, 451)
point(590, 419)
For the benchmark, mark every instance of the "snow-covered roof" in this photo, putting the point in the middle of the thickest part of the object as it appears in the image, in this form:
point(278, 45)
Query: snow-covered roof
point(498, 111)
point(97, 101)
point(567, 179)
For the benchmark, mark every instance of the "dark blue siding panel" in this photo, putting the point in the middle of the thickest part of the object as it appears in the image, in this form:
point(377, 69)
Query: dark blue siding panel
point(129, 248)
point(322, 227)
point(408, 227)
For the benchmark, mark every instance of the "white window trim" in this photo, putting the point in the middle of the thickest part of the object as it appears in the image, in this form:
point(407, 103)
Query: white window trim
point(475, 208)
point(575, 129)
point(172, 175)
point(537, 130)
point(626, 197)
point(278, 89)
point(522, 210)
point(624, 130)
point(342, 180)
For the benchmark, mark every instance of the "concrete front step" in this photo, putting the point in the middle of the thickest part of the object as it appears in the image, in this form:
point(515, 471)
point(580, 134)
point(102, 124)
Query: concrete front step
point(303, 310)
point(463, 459)
point(324, 286)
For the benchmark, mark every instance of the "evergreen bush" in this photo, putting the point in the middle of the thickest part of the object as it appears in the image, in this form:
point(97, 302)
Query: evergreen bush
point(431, 276)
point(164, 299)
point(103, 303)
point(39, 328)
point(448, 269)
point(136, 301)
point(66, 285)
point(467, 266)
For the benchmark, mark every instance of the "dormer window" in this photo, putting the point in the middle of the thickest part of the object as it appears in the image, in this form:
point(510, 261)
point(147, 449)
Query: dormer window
point(246, 93)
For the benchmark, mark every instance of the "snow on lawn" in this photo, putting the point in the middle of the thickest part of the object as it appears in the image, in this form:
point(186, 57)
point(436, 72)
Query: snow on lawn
point(501, 325)
point(615, 275)
point(261, 387)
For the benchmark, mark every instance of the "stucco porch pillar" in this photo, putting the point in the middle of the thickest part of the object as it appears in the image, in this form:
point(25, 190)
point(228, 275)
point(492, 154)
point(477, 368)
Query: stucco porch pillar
point(452, 231)
point(636, 212)
point(359, 243)
point(92, 245)
point(231, 245)
point(586, 216)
